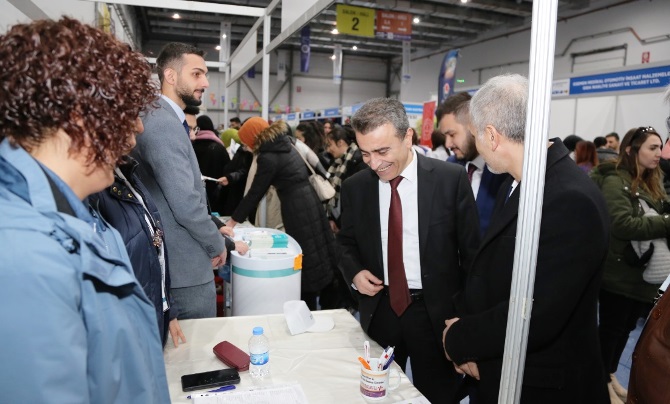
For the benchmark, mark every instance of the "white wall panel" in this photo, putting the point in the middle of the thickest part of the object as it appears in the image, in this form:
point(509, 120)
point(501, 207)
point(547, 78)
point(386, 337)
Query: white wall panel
point(595, 117)
point(641, 110)
point(355, 91)
point(562, 119)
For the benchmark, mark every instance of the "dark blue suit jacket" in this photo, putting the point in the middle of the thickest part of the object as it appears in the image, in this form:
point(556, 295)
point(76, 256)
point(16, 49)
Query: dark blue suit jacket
point(486, 196)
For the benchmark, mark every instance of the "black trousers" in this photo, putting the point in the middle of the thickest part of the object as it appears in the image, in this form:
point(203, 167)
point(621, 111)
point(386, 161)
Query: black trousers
point(413, 336)
point(617, 318)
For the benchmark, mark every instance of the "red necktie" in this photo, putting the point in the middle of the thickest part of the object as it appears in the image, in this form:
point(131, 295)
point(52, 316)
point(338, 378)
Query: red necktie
point(398, 290)
point(471, 170)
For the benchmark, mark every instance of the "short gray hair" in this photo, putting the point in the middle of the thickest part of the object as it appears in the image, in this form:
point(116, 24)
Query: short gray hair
point(501, 102)
point(378, 112)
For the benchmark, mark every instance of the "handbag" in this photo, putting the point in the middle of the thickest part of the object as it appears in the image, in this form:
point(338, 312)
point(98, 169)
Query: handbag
point(651, 357)
point(324, 190)
point(658, 266)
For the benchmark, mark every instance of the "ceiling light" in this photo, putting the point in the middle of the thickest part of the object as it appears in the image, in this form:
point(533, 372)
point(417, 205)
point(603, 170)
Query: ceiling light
point(416, 20)
point(332, 57)
point(334, 31)
point(176, 16)
point(218, 47)
point(354, 47)
point(224, 36)
point(464, 1)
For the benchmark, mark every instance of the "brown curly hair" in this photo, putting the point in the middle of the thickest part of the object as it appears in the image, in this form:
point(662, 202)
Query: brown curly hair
point(70, 76)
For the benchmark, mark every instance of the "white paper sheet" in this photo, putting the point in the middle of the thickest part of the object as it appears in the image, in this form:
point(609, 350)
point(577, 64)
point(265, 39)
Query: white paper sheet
point(285, 394)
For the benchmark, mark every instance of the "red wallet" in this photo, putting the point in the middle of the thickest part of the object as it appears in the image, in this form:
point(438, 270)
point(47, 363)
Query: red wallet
point(232, 356)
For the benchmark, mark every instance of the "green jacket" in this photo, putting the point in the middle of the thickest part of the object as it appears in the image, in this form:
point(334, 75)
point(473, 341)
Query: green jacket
point(627, 223)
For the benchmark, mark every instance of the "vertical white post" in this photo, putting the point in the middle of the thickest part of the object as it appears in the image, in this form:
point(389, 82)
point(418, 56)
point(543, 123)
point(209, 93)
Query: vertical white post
point(224, 56)
point(540, 75)
point(265, 97)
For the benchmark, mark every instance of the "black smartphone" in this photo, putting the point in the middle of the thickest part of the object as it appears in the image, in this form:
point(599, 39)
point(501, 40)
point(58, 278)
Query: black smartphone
point(207, 380)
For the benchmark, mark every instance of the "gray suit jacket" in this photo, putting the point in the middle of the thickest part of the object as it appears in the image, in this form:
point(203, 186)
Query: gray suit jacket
point(169, 170)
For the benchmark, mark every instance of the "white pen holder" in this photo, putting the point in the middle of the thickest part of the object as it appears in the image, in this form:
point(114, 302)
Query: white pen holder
point(375, 383)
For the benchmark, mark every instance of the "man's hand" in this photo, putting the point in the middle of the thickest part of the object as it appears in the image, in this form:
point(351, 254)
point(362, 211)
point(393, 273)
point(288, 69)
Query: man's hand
point(368, 284)
point(223, 181)
point(227, 231)
point(467, 368)
point(241, 247)
point(219, 259)
point(175, 333)
point(231, 223)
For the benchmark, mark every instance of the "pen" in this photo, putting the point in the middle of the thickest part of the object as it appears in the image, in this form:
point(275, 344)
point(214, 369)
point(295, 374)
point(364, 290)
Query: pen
point(364, 363)
point(220, 389)
point(388, 362)
point(366, 348)
point(384, 357)
point(206, 178)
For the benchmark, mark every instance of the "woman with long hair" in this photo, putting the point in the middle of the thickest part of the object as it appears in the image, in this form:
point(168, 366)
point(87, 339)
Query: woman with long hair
point(625, 296)
point(586, 155)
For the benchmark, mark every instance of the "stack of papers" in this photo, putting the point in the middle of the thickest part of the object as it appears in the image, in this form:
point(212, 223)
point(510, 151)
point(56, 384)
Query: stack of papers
point(261, 239)
point(287, 394)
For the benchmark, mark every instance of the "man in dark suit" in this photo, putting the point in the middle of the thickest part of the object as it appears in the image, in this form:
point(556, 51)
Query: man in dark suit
point(563, 355)
point(453, 118)
point(169, 170)
point(406, 273)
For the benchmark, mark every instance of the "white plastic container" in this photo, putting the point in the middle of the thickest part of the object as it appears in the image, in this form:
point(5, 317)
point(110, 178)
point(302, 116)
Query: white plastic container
point(262, 280)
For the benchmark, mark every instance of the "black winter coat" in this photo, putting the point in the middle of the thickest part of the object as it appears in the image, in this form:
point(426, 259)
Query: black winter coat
point(304, 217)
point(212, 160)
point(119, 207)
point(236, 171)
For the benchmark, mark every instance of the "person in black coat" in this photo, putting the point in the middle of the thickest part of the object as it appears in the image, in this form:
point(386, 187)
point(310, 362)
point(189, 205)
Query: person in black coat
point(212, 158)
point(562, 362)
point(127, 206)
point(280, 165)
point(234, 180)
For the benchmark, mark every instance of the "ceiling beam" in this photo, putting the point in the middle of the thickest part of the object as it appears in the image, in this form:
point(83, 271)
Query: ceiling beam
point(192, 6)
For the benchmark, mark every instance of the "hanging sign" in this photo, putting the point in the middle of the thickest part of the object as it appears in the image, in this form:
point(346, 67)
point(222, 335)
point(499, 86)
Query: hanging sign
point(355, 20)
point(392, 25)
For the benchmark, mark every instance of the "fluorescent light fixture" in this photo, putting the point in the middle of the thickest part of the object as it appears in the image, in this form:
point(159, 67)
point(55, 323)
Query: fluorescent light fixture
point(416, 20)
point(176, 16)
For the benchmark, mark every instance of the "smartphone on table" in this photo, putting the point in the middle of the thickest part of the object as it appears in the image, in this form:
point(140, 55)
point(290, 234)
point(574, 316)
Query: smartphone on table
point(205, 380)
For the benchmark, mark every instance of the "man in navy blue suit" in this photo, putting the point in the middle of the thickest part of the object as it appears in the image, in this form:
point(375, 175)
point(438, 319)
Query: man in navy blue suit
point(453, 117)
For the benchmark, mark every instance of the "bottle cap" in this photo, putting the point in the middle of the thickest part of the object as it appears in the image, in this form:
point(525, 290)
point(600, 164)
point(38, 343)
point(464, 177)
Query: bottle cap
point(258, 330)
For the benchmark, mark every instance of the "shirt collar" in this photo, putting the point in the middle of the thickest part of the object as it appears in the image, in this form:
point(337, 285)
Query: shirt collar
point(180, 112)
point(479, 162)
point(409, 173)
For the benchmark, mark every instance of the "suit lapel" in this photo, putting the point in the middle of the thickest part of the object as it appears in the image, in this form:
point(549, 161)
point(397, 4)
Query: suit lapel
point(503, 213)
point(371, 215)
point(425, 190)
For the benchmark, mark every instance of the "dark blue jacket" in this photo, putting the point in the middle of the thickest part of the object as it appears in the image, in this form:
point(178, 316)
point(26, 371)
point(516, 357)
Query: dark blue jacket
point(125, 213)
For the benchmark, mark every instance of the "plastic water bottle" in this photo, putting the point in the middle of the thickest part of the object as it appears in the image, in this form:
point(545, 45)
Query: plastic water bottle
point(259, 351)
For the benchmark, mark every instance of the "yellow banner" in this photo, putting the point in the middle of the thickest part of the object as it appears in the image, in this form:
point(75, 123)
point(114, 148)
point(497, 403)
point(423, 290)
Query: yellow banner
point(355, 20)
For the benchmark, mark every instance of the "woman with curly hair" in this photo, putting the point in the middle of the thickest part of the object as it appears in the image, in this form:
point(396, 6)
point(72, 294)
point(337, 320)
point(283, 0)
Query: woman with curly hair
point(82, 328)
point(633, 180)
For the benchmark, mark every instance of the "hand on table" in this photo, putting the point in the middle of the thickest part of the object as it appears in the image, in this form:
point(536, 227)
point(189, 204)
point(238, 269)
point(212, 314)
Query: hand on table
point(176, 333)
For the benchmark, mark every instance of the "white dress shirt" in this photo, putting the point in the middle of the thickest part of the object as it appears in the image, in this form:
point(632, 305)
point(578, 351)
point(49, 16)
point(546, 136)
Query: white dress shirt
point(408, 192)
point(477, 174)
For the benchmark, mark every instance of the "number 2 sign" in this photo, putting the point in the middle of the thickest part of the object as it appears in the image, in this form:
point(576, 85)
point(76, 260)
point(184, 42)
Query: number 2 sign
point(355, 20)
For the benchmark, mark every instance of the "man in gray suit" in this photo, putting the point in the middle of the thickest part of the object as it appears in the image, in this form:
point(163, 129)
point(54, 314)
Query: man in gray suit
point(169, 169)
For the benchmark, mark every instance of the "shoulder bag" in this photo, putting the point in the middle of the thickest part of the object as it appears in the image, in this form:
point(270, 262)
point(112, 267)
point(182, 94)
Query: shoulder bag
point(658, 266)
point(324, 190)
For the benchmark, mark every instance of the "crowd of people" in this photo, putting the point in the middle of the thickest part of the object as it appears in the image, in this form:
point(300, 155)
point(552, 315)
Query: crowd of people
point(111, 236)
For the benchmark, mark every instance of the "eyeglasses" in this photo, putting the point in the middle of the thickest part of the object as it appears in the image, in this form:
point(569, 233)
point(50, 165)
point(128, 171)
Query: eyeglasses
point(194, 129)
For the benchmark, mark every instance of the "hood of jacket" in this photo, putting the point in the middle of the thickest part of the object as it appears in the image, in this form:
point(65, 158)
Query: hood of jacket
point(606, 169)
point(273, 138)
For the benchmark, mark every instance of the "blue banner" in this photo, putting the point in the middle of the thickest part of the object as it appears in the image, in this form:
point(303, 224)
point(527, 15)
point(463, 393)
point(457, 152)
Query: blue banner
point(331, 112)
point(290, 117)
point(416, 109)
point(447, 76)
point(251, 73)
point(304, 49)
point(652, 77)
point(308, 115)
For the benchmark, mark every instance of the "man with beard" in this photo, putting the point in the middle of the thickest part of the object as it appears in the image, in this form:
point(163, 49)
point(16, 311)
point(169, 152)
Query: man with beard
point(169, 170)
point(453, 118)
